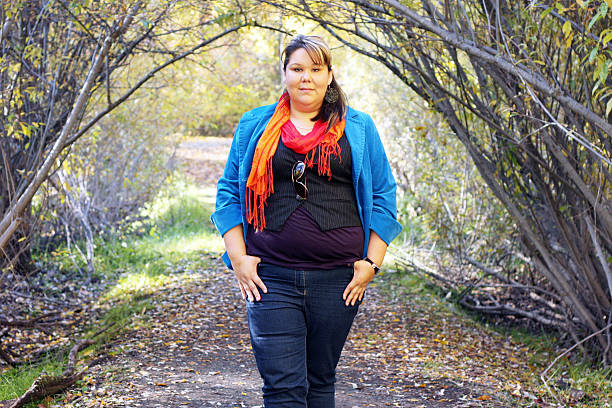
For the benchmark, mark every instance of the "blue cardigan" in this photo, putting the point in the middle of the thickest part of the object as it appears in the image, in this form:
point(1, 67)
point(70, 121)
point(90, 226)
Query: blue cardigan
point(372, 178)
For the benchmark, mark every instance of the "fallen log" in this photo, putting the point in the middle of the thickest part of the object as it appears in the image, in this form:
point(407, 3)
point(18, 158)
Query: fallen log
point(47, 384)
point(36, 322)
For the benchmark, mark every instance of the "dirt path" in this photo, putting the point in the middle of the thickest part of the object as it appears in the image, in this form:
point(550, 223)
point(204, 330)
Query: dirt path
point(191, 347)
point(194, 351)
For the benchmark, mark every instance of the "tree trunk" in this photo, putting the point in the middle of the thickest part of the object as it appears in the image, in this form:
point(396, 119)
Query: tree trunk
point(17, 255)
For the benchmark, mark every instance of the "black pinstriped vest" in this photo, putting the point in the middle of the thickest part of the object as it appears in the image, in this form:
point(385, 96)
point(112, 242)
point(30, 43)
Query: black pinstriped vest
point(331, 203)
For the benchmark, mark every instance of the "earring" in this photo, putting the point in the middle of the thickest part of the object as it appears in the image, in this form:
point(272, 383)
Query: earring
point(331, 94)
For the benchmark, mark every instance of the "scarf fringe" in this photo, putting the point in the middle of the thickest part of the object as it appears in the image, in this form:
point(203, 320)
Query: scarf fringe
point(326, 151)
point(256, 205)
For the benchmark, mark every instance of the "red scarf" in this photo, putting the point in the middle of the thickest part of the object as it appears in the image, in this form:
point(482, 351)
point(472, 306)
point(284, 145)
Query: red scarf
point(260, 183)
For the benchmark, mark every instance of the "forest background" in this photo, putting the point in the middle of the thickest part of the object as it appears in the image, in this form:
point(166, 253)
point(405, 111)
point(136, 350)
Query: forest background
point(496, 118)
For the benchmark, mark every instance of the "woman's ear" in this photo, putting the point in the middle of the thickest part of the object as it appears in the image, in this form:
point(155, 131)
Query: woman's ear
point(331, 77)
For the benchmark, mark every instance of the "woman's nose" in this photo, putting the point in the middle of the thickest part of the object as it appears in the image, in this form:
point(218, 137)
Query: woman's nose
point(305, 76)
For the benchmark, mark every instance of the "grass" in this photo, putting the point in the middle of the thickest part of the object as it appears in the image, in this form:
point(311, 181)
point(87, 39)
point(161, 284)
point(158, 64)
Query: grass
point(172, 243)
point(180, 234)
point(571, 381)
point(16, 381)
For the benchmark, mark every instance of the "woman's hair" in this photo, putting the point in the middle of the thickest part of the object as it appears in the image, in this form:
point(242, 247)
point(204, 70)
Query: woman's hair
point(320, 54)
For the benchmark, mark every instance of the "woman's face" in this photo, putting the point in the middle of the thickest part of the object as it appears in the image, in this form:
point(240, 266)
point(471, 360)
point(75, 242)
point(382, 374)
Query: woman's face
point(306, 81)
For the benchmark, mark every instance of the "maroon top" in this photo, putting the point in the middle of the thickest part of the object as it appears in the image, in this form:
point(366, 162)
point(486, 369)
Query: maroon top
point(302, 245)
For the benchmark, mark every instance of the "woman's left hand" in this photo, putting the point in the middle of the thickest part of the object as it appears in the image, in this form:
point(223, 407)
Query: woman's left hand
point(362, 275)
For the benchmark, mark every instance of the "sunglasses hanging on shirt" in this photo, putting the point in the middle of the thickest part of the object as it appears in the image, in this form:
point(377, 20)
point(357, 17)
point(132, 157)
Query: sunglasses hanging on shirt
point(299, 181)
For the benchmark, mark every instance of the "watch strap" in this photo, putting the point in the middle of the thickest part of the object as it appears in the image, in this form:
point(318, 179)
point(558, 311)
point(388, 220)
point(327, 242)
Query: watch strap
point(371, 262)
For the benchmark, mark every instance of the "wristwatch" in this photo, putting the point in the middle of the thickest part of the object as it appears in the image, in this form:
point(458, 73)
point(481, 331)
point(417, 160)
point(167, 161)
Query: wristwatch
point(371, 262)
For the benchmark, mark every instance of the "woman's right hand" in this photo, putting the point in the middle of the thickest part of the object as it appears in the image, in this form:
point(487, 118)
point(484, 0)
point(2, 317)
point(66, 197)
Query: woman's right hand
point(245, 268)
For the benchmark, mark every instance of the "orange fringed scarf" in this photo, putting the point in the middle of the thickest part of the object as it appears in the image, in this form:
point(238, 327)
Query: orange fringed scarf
point(260, 183)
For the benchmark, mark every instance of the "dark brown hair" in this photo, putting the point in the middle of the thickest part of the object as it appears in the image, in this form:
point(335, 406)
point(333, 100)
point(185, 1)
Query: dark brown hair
point(320, 54)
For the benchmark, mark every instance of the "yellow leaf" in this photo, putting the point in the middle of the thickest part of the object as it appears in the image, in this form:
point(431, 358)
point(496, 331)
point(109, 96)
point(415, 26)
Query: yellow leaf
point(600, 62)
point(484, 398)
point(567, 27)
point(25, 129)
point(568, 40)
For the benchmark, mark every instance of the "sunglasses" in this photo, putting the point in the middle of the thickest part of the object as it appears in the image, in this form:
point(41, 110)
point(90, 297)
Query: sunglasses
point(297, 173)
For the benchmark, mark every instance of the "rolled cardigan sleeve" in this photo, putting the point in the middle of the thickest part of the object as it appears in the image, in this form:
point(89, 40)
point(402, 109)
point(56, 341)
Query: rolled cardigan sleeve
point(227, 212)
point(384, 204)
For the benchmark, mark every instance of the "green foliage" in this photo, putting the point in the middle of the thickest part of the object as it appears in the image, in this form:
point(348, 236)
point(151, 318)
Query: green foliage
point(47, 56)
point(112, 172)
point(586, 29)
point(208, 98)
point(172, 242)
point(174, 226)
point(443, 203)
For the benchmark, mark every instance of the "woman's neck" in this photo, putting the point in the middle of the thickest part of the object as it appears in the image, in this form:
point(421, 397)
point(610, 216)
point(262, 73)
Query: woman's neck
point(302, 120)
point(302, 115)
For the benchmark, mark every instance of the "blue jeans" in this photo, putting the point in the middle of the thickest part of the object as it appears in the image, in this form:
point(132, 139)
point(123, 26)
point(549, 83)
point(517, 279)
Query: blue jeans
point(297, 332)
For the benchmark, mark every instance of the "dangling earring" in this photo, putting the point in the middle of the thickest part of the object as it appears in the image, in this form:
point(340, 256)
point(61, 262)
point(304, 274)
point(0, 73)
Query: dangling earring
point(331, 95)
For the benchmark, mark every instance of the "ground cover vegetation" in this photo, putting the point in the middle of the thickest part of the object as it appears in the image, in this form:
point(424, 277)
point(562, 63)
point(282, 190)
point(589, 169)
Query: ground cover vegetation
point(493, 110)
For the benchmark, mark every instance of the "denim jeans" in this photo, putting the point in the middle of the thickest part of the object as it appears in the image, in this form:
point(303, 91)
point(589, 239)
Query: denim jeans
point(298, 330)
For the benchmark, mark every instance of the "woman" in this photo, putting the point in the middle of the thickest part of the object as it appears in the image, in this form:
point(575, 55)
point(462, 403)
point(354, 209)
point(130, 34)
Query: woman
point(306, 207)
